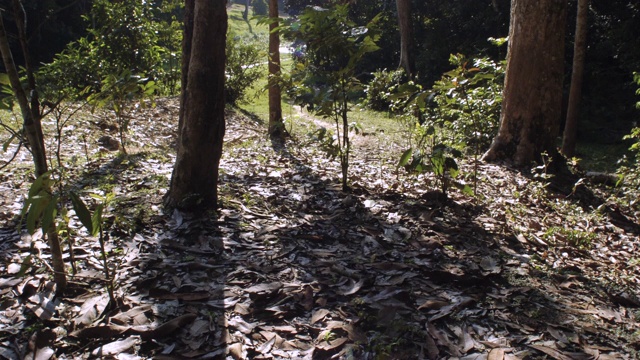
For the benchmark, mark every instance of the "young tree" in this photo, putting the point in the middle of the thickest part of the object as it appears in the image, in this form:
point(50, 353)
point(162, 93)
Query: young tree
point(406, 36)
point(531, 109)
point(276, 125)
point(201, 124)
point(32, 125)
point(579, 49)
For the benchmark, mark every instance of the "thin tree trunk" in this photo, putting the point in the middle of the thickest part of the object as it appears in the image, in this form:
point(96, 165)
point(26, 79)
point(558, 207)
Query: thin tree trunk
point(201, 133)
point(531, 110)
point(245, 13)
point(579, 49)
point(407, 61)
point(33, 131)
point(276, 125)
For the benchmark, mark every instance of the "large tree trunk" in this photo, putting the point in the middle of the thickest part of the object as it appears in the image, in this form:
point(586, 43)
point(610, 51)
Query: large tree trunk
point(195, 174)
point(579, 49)
point(276, 125)
point(407, 61)
point(33, 129)
point(532, 105)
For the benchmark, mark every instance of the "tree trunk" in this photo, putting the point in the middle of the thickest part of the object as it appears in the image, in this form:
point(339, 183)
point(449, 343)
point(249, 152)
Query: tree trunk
point(276, 125)
point(579, 49)
point(202, 125)
point(531, 109)
point(33, 131)
point(245, 13)
point(407, 61)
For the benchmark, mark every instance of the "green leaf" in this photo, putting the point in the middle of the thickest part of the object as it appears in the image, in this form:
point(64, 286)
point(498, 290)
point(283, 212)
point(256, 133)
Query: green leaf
point(406, 156)
point(41, 182)
point(26, 264)
point(39, 203)
point(96, 220)
point(82, 212)
point(4, 79)
point(49, 214)
point(6, 144)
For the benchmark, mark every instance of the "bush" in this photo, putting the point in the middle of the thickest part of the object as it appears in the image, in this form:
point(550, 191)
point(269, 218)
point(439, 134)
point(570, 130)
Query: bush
point(123, 36)
point(468, 101)
point(244, 56)
point(378, 91)
point(260, 7)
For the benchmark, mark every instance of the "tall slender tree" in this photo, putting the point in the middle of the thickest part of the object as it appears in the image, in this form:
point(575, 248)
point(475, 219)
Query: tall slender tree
point(570, 134)
point(531, 109)
point(407, 61)
point(202, 123)
point(32, 124)
point(276, 125)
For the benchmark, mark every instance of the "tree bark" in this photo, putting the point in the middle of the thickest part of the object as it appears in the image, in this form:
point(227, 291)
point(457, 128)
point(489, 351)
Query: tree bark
point(245, 13)
point(407, 61)
point(531, 109)
point(276, 125)
point(579, 49)
point(201, 133)
point(33, 131)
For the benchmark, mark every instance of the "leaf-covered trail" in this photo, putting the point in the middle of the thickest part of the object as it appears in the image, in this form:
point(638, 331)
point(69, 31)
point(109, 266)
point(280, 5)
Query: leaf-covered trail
point(293, 268)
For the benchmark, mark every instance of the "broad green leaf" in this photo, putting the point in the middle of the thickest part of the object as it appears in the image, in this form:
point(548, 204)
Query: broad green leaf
point(96, 220)
point(41, 182)
point(82, 212)
point(39, 203)
point(404, 159)
point(49, 214)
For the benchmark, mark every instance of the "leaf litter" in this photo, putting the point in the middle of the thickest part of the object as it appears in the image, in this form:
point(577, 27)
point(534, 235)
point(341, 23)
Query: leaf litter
point(290, 267)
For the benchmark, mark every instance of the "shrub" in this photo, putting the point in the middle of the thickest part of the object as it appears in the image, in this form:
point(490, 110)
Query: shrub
point(260, 7)
point(244, 56)
point(378, 90)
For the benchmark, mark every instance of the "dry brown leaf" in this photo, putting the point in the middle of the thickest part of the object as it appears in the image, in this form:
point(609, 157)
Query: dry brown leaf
point(496, 354)
point(352, 288)
point(319, 315)
point(332, 344)
point(236, 351)
point(432, 348)
point(169, 327)
point(116, 347)
point(433, 304)
point(556, 354)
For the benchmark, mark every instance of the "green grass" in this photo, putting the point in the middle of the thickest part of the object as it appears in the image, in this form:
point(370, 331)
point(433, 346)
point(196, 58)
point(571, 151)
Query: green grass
point(601, 157)
point(238, 26)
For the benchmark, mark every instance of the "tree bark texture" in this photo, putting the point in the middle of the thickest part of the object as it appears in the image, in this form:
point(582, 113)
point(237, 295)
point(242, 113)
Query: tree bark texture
point(407, 61)
point(195, 174)
point(579, 49)
point(276, 125)
point(532, 105)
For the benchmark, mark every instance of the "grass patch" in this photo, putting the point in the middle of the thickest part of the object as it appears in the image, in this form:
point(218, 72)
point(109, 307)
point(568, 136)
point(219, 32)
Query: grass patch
point(240, 26)
point(601, 157)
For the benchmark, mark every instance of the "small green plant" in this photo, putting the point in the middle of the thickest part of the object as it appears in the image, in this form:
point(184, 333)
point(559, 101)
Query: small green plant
point(44, 209)
point(118, 93)
point(94, 223)
point(325, 77)
point(577, 238)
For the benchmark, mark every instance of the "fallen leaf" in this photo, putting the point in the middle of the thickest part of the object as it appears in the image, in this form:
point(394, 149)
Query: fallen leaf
point(319, 315)
point(116, 347)
point(556, 354)
point(496, 354)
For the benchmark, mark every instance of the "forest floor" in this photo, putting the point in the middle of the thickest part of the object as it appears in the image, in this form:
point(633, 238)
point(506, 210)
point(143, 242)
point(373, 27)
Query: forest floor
point(291, 267)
